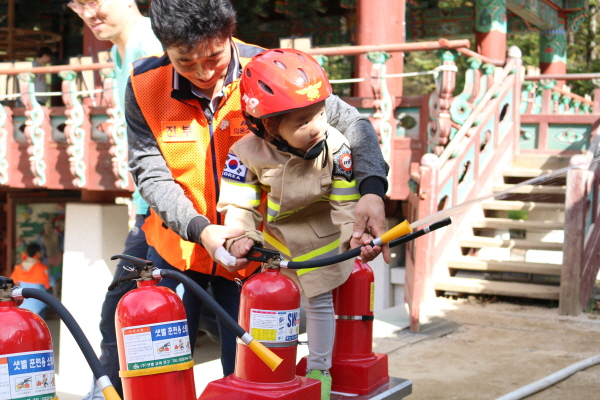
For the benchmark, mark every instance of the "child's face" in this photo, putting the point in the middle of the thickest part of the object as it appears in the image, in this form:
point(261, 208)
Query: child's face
point(303, 128)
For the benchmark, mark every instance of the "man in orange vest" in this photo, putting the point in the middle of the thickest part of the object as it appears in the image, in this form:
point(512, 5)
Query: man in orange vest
point(32, 273)
point(183, 113)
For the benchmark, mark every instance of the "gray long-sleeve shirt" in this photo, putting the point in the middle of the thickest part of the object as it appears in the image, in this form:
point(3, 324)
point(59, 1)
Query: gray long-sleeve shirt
point(167, 198)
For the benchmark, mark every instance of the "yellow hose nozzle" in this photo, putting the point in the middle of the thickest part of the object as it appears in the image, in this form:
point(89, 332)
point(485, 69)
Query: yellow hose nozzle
point(110, 393)
point(267, 356)
point(401, 229)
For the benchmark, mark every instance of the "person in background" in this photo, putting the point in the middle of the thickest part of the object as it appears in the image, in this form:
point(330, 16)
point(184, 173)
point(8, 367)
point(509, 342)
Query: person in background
point(32, 273)
point(183, 112)
point(44, 57)
point(121, 23)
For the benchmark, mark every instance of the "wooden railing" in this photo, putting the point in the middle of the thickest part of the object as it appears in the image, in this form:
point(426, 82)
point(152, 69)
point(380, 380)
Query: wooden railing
point(581, 256)
point(470, 135)
point(80, 145)
point(554, 120)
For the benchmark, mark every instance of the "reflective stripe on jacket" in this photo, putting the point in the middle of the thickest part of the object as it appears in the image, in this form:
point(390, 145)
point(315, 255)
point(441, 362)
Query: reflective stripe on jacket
point(309, 212)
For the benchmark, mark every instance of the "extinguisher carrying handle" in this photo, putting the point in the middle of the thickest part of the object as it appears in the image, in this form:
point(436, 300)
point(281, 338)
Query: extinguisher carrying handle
point(86, 348)
point(266, 355)
point(356, 251)
point(139, 264)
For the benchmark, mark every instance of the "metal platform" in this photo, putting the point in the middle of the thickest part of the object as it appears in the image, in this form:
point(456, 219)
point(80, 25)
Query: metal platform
point(395, 389)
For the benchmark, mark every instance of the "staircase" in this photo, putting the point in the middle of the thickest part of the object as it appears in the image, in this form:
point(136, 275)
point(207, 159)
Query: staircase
point(516, 249)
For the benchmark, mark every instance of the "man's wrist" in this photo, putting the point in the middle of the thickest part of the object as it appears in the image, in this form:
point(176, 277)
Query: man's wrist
point(373, 185)
point(196, 227)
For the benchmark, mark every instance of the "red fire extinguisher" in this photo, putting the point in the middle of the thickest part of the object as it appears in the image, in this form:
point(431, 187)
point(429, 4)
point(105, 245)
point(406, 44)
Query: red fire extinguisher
point(270, 312)
point(155, 356)
point(26, 356)
point(355, 368)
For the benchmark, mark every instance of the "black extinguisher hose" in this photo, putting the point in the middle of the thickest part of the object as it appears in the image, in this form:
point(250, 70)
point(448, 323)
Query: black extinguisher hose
point(356, 251)
point(266, 355)
point(80, 338)
point(206, 299)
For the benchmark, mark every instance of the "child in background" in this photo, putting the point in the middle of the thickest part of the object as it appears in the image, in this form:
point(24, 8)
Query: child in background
point(305, 167)
point(32, 273)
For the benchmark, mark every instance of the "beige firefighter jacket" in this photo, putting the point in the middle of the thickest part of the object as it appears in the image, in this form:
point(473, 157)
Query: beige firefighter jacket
point(309, 209)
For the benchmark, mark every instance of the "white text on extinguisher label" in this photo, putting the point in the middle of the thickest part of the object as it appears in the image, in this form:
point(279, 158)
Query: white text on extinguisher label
point(156, 345)
point(27, 376)
point(274, 325)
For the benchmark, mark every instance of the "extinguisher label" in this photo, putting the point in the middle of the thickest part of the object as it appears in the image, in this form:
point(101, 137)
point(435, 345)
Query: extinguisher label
point(27, 376)
point(274, 325)
point(156, 345)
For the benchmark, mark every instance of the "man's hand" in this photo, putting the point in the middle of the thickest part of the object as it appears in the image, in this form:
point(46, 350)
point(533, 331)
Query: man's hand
point(213, 238)
point(370, 223)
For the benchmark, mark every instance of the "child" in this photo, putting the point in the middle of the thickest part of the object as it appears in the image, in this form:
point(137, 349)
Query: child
point(32, 273)
point(305, 167)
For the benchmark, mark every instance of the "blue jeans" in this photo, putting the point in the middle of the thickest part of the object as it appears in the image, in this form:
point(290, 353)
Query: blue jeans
point(135, 245)
point(225, 292)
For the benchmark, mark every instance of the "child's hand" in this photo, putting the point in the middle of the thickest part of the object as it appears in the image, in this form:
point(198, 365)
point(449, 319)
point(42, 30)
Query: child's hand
point(368, 253)
point(241, 247)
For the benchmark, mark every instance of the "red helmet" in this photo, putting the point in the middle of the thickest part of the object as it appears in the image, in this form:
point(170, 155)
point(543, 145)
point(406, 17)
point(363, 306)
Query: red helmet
point(282, 80)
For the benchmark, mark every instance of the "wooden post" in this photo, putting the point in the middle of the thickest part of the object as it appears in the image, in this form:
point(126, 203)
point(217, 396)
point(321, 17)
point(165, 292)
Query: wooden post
point(575, 208)
point(379, 22)
point(490, 29)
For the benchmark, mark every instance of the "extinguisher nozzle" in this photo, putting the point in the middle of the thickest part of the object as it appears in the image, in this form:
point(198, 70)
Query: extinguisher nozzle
point(110, 393)
point(267, 356)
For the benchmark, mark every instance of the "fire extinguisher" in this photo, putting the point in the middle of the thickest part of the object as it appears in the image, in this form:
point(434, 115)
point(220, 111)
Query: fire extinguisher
point(155, 356)
point(270, 311)
point(154, 348)
point(26, 355)
point(355, 367)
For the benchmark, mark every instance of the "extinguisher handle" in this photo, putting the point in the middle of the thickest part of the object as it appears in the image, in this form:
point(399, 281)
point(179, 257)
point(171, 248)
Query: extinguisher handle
point(136, 262)
point(5, 281)
point(139, 264)
point(133, 275)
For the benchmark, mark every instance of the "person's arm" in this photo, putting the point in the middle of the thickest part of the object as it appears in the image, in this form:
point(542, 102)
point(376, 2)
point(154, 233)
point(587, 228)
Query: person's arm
point(154, 179)
point(239, 200)
point(370, 169)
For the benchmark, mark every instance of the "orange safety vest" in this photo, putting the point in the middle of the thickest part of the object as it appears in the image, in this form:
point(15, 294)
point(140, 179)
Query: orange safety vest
point(38, 273)
point(196, 160)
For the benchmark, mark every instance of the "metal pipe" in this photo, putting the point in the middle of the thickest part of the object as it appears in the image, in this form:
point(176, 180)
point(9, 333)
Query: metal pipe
point(406, 47)
point(562, 77)
point(54, 69)
point(550, 380)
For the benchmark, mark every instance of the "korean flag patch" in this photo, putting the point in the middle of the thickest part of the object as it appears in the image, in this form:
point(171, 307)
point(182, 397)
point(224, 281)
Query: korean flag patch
point(342, 163)
point(234, 169)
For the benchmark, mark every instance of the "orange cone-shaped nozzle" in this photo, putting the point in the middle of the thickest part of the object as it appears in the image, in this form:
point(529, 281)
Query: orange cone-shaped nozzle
point(401, 229)
point(267, 356)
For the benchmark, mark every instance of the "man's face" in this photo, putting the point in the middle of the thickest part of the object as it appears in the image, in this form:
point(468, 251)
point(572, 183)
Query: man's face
point(108, 20)
point(205, 66)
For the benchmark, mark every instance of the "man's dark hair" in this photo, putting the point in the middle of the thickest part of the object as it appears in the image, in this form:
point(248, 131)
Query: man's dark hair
point(33, 249)
point(186, 23)
point(44, 51)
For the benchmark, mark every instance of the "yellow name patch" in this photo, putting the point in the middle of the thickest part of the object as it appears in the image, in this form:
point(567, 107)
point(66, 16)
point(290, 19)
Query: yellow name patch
point(179, 131)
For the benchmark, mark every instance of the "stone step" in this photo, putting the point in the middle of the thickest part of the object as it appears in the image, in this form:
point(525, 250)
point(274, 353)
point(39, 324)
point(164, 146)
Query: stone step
point(505, 223)
point(510, 205)
point(525, 172)
point(531, 189)
point(478, 242)
point(541, 161)
point(521, 267)
point(499, 288)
